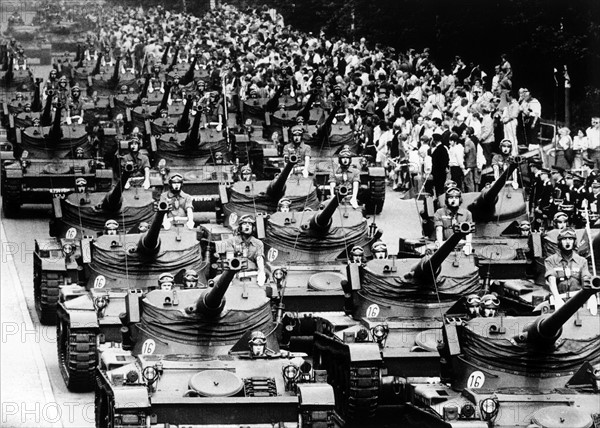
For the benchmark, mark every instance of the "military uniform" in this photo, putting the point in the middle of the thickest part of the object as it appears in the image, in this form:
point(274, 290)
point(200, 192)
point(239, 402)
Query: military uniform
point(501, 161)
point(140, 163)
point(179, 203)
point(544, 204)
point(345, 177)
point(252, 247)
point(447, 218)
point(302, 150)
point(570, 272)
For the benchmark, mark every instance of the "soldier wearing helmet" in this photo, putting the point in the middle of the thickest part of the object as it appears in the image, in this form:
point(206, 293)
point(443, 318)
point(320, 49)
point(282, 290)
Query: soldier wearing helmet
point(180, 202)
point(140, 162)
point(257, 344)
point(244, 244)
point(472, 304)
point(283, 206)
point(81, 185)
point(246, 173)
point(166, 281)
point(489, 305)
point(143, 227)
point(501, 161)
point(566, 271)
point(452, 214)
point(111, 227)
point(379, 250)
point(300, 149)
point(346, 175)
point(560, 220)
point(190, 279)
point(75, 111)
point(544, 199)
point(357, 255)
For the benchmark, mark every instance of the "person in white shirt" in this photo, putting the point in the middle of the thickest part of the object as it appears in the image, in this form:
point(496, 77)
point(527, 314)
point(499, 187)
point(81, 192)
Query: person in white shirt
point(593, 136)
point(456, 153)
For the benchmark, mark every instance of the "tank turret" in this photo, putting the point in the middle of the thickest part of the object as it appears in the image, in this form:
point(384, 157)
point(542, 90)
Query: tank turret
point(55, 134)
point(483, 208)
point(149, 243)
point(113, 200)
point(183, 124)
point(46, 119)
point(96, 69)
point(321, 221)
point(546, 329)
point(165, 56)
point(212, 301)
point(188, 77)
point(276, 188)
point(36, 104)
point(163, 102)
point(429, 267)
point(193, 136)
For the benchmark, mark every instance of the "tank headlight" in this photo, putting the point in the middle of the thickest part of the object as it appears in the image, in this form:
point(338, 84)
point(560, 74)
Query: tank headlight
point(150, 374)
point(290, 373)
point(380, 332)
point(450, 412)
point(488, 408)
point(362, 335)
point(68, 249)
point(467, 411)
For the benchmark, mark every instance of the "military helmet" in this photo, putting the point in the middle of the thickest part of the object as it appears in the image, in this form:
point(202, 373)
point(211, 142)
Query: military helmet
point(81, 182)
point(284, 202)
point(378, 246)
point(111, 225)
point(176, 178)
point(191, 275)
point(75, 89)
point(257, 338)
point(297, 130)
point(567, 232)
point(357, 250)
point(473, 300)
point(490, 301)
point(247, 218)
point(505, 143)
point(246, 169)
point(165, 278)
point(345, 153)
point(560, 216)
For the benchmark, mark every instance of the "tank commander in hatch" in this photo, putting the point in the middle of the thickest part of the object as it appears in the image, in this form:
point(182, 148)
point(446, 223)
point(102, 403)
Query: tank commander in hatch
point(244, 244)
point(452, 214)
point(179, 201)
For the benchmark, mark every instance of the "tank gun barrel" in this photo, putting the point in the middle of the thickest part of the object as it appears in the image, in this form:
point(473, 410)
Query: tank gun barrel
point(115, 76)
point(96, 69)
point(55, 134)
point(305, 110)
point(165, 56)
point(483, 206)
point(46, 119)
point(276, 188)
point(188, 77)
point(175, 55)
point(324, 128)
point(36, 104)
point(144, 92)
point(165, 98)
point(112, 200)
point(321, 222)
point(428, 268)
point(547, 328)
point(271, 105)
point(184, 121)
point(149, 243)
point(212, 301)
point(193, 137)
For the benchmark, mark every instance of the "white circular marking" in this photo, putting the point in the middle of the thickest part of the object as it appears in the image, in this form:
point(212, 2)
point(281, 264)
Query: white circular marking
point(476, 380)
point(100, 281)
point(71, 233)
point(272, 254)
point(372, 311)
point(148, 347)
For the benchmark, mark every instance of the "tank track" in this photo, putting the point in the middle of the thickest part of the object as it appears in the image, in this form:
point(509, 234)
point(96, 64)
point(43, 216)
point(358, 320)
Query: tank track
point(46, 288)
point(76, 356)
point(11, 198)
point(376, 196)
point(356, 387)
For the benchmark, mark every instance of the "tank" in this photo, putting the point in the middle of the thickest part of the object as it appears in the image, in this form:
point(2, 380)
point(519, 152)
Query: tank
point(119, 263)
point(19, 118)
point(520, 371)
point(307, 252)
point(394, 313)
point(250, 197)
point(200, 369)
point(76, 220)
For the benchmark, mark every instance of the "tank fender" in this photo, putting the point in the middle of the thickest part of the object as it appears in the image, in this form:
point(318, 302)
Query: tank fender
point(54, 264)
point(13, 173)
point(83, 319)
point(376, 171)
point(316, 395)
point(131, 397)
point(362, 352)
